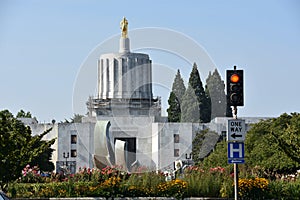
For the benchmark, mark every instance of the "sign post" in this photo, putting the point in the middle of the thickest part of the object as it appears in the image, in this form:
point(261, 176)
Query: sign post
point(236, 149)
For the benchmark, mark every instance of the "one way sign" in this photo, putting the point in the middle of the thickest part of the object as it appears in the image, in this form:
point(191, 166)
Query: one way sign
point(236, 130)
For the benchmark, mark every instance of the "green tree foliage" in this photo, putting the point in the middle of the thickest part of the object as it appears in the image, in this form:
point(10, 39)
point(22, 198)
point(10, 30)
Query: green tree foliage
point(174, 111)
point(175, 99)
point(190, 107)
point(202, 98)
point(19, 148)
point(218, 157)
point(207, 107)
point(274, 144)
point(286, 133)
point(23, 114)
point(197, 144)
point(216, 88)
point(178, 86)
point(203, 143)
point(77, 118)
point(271, 146)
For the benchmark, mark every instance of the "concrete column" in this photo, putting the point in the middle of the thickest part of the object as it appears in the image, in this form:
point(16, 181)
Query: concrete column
point(124, 78)
point(111, 78)
point(120, 78)
point(128, 77)
point(132, 77)
point(138, 78)
point(145, 79)
point(99, 78)
point(115, 78)
point(105, 78)
point(150, 78)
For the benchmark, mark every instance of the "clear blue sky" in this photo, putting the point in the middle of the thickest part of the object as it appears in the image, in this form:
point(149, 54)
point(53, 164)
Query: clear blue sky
point(44, 43)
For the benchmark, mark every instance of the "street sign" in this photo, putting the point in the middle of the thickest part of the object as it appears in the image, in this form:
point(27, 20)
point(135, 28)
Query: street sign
point(236, 130)
point(236, 152)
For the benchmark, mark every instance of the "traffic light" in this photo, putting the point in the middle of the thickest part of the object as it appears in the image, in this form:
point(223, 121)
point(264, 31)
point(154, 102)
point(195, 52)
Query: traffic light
point(235, 90)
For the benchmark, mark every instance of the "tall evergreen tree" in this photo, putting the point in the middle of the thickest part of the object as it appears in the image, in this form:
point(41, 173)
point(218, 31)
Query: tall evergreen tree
point(216, 87)
point(207, 106)
point(202, 98)
point(174, 111)
point(190, 106)
point(205, 102)
point(175, 98)
point(178, 86)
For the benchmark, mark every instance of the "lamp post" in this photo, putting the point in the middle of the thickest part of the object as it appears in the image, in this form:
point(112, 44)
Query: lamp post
point(188, 157)
point(66, 156)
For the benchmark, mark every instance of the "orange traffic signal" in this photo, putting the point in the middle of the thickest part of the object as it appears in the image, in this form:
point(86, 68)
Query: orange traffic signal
point(235, 90)
point(234, 78)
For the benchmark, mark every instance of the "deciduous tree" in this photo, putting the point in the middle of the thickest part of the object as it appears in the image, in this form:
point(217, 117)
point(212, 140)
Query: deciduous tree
point(18, 148)
point(23, 114)
point(273, 144)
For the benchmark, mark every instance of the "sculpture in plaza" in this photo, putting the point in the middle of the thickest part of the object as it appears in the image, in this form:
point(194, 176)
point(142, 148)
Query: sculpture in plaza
point(103, 155)
point(107, 154)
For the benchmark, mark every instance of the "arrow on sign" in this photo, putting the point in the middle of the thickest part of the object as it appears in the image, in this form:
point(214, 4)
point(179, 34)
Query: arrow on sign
point(236, 136)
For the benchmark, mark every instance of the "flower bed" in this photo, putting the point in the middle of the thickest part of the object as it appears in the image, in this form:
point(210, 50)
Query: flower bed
point(111, 182)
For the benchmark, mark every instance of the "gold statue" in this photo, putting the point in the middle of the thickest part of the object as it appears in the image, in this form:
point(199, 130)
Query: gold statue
point(124, 27)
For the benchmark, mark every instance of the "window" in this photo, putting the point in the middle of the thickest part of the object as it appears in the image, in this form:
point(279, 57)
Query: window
point(176, 138)
point(176, 152)
point(73, 139)
point(73, 153)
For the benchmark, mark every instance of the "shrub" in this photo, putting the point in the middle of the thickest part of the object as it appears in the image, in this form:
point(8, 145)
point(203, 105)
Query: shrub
point(254, 188)
point(284, 189)
point(31, 175)
point(174, 188)
point(213, 182)
point(142, 184)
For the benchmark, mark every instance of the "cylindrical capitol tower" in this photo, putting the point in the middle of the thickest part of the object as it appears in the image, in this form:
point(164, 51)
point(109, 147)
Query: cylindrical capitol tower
point(124, 82)
point(124, 75)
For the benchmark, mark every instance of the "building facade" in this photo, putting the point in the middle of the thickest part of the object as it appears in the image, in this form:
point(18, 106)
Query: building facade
point(125, 100)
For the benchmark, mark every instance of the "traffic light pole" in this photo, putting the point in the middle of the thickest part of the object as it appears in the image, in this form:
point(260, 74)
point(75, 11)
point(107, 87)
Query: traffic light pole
point(235, 97)
point(235, 166)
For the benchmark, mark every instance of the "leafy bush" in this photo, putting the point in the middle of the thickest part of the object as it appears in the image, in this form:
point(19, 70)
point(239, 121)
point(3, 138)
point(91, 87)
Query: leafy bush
point(284, 189)
point(174, 188)
point(142, 184)
point(255, 188)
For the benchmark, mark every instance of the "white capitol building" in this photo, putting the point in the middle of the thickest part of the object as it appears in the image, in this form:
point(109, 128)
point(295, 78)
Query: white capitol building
point(124, 126)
